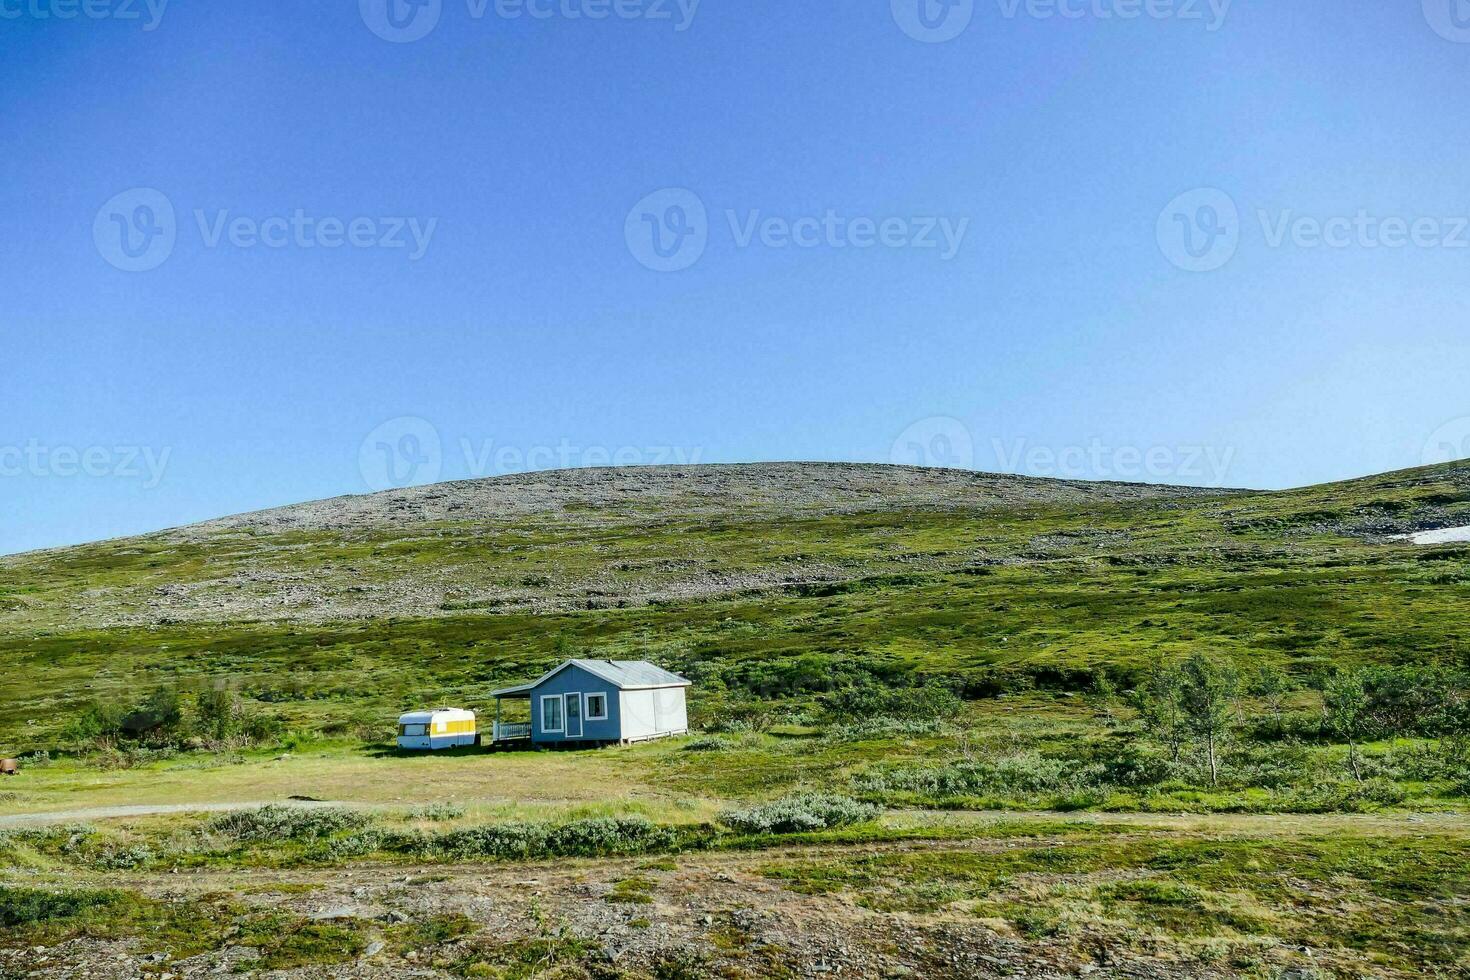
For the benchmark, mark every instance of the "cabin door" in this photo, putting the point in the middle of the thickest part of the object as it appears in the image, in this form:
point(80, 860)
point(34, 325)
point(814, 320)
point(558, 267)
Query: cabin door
point(574, 716)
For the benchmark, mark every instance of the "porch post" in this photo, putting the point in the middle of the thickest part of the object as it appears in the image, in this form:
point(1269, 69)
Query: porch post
point(495, 737)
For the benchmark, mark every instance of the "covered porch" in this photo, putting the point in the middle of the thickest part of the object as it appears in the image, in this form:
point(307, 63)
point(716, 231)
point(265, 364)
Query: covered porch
point(512, 732)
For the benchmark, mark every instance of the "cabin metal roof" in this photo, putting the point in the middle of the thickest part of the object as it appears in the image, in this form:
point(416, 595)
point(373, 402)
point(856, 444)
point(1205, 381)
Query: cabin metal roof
point(625, 675)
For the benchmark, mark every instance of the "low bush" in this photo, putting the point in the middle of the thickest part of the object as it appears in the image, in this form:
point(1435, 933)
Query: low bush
point(709, 743)
point(1024, 773)
point(883, 728)
point(594, 837)
point(275, 822)
point(932, 702)
point(437, 812)
point(798, 814)
point(32, 906)
point(1267, 767)
point(124, 857)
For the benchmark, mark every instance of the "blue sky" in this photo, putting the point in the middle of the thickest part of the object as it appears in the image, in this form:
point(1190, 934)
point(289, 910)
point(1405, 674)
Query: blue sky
point(394, 260)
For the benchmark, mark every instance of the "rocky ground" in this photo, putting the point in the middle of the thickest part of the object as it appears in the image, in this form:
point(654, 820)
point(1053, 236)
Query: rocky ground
point(703, 916)
point(585, 496)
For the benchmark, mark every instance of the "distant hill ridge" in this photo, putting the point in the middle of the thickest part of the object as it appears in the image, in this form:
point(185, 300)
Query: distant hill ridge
point(604, 538)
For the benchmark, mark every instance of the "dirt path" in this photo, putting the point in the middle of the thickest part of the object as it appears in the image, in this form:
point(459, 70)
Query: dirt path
point(151, 810)
point(1275, 824)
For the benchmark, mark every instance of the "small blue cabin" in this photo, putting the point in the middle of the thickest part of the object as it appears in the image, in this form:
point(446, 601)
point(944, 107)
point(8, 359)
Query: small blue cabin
point(597, 702)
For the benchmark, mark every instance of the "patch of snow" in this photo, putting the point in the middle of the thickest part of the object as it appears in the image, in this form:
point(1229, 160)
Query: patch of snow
point(1446, 535)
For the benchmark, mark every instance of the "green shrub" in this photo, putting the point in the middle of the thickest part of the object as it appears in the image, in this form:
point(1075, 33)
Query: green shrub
point(1024, 773)
point(798, 814)
point(608, 835)
point(593, 837)
point(276, 822)
point(883, 728)
point(123, 857)
point(709, 743)
point(1267, 767)
point(866, 702)
point(501, 842)
point(437, 812)
point(31, 906)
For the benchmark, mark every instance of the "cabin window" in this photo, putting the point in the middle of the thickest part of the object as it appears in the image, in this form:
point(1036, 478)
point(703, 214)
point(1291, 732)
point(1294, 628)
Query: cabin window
point(413, 730)
point(551, 713)
point(597, 707)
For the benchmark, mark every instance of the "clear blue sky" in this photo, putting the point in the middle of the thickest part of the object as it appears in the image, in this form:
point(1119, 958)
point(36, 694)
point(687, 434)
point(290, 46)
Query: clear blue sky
point(253, 376)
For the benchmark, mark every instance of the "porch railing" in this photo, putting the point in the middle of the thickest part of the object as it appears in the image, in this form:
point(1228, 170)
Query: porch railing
point(505, 731)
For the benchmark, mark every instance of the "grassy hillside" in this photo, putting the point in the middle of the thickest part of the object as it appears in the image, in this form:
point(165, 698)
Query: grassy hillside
point(762, 582)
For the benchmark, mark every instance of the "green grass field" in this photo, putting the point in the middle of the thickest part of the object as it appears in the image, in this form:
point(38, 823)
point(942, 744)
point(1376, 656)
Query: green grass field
point(992, 598)
point(1107, 853)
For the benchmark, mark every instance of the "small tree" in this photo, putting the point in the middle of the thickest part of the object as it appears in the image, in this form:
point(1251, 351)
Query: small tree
point(1102, 697)
point(98, 722)
point(219, 712)
point(1453, 725)
point(157, 718)
point(1346, 703)
point(1159, 701)
point(1209, 694)
point(1271, 685)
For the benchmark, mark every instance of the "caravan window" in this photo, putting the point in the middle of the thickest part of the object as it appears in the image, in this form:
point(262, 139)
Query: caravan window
point(412, 730)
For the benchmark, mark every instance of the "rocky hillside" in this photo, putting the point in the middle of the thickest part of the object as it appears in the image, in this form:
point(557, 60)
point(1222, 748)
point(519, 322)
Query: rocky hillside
point(764, 581)
point(562, 540)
